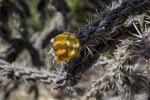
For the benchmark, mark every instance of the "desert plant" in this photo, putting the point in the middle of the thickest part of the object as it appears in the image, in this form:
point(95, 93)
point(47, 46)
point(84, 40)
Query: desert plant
point(98, 37)
point(122, 32)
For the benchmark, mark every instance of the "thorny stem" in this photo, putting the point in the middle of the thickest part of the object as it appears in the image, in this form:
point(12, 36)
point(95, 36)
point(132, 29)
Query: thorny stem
point(99, 36)
point(27, 74)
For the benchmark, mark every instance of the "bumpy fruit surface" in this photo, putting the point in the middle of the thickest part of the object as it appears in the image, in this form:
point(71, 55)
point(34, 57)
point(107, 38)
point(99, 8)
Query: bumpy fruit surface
point(66, 46)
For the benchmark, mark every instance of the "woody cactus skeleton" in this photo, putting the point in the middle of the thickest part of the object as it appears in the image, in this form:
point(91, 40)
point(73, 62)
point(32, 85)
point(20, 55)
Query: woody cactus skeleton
point(97, 37)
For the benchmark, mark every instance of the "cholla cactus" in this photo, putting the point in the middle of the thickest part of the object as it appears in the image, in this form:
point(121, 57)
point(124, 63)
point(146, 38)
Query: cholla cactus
point(98, 37)
point(121, 76)
point(17, 75)
point(82, 48)
point(25, 74)
point(127, 72)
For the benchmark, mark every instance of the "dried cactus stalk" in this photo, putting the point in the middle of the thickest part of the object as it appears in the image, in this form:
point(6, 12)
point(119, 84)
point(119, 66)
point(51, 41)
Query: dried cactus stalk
point(26, 74)
point(98, 37)
point(121, 77)
point(127, 72)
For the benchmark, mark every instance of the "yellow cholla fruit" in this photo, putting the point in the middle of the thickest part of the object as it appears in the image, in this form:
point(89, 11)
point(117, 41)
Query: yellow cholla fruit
point(66, 46)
